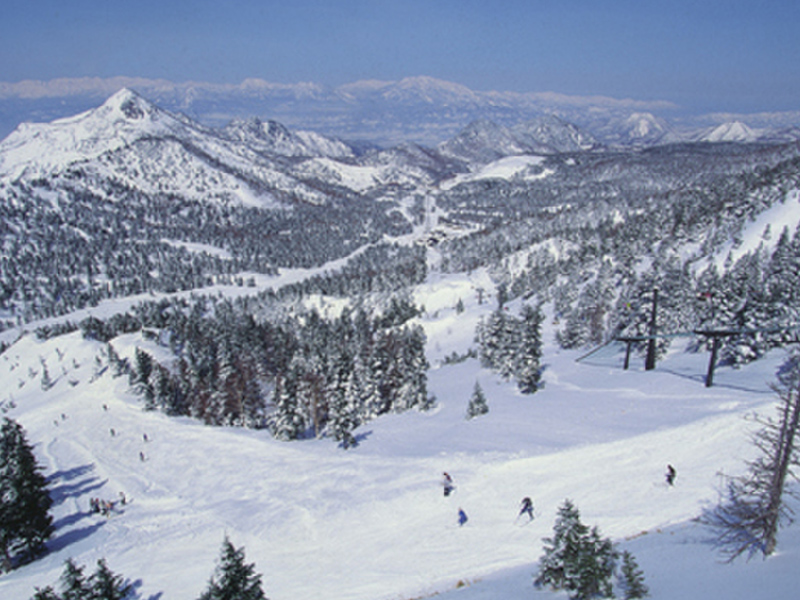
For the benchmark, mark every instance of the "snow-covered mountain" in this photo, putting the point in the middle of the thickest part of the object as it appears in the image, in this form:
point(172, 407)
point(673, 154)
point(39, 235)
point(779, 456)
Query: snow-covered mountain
point(734, 131)
point(420, 109)
point(272, 137)
point(132, 142)
point(125, 118)
point(552, 135)
point(637, 129)
point(484, 141)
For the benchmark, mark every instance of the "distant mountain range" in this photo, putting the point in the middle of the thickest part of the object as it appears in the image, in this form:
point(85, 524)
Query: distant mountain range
point(421, 110)
point(130, 141)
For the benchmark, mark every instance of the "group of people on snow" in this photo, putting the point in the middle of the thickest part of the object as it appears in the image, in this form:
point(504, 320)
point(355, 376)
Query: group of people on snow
point(526, 506)
point(105, 507)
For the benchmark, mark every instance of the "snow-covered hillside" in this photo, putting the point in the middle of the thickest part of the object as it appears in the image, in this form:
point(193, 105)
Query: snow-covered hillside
point(130, 141)
point(372, 523)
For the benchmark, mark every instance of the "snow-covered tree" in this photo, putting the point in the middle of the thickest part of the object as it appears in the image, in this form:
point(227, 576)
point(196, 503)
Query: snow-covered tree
point(528, 368)
point(287, 421)
point(233, 579)
point(25, 520)
point(558, 565)
point(103, 584)
point(74, 585)
point(477, 403)
point(107, 585)
point(631, 578)
point(140, 377)
point(577, 559)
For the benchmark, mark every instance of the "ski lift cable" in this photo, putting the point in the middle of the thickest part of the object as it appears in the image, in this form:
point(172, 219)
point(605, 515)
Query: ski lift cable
point(693, 333)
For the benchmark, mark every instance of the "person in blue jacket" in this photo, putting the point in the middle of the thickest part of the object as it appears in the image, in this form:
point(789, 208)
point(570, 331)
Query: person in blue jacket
point(462, 517)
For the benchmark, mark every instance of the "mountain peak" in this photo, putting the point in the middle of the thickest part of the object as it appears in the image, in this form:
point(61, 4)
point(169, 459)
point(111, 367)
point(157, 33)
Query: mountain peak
point(42, 147)
point(129, 105)
point(733, 131)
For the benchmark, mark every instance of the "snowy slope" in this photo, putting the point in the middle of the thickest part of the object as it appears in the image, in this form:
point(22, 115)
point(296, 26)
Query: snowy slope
point(512, 168)
point(131, 141)
point(765, 230)
point(372, 523)
point(734, 131)
point(45, 147)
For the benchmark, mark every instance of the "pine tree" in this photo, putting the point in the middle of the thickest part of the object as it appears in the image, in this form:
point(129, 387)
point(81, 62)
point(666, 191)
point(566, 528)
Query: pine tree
point(45, 593)
point(343, 415)
point(632, 578)
point(233, 579)
point(102, 585)
point(74, 585)
point(577, 559)
point(287, 422)
point(106, 585)
point(561, 552)
point(47, 381)
point(595, 567)
point(141, 378)
point(25, 522)
point(477, 403)
point(527, 370)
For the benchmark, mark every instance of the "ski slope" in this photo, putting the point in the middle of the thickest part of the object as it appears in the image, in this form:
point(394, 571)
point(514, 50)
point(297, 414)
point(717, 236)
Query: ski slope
point(372, 523)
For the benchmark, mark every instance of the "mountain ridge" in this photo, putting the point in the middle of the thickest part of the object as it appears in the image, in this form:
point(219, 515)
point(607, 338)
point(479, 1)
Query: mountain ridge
point(419, 109)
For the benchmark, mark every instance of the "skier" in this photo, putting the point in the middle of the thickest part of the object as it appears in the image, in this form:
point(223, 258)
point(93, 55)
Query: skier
point(670, 476)
point(462, 517)
point(447, 484)
point(526, 508)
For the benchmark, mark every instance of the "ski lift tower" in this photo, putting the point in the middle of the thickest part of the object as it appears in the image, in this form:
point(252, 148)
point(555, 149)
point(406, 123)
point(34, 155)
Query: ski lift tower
point(650, 361)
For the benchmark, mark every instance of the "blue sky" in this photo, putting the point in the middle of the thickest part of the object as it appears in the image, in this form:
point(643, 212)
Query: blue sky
point(704, 55)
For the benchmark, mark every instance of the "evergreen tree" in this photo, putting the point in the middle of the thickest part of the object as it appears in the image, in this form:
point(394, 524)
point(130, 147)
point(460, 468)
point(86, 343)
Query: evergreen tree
point(477, 403)
point(595, 567)
point(413, 390)
point(102, 585)
point(498, 342)
point(632, 578)
point(361, 393)
point(141, 378)
point(47, 381)
point(45, 593)
point(25, 522)
point(558, 566)
point(233, 579)
point(287, 422)
point(528, 361)
point(343, 413)
point(106, 585)
point(577, 559)
point(74, 585)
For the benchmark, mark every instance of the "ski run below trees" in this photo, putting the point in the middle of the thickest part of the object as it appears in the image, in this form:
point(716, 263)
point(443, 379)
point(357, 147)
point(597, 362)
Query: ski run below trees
point(372, 523)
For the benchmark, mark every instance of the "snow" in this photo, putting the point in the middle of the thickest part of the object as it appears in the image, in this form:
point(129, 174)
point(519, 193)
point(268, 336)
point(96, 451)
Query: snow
point(91, 133)
point(510, 167)
point(355, 177)
point(779, 216)
point(734, 131)
point(371, 523)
